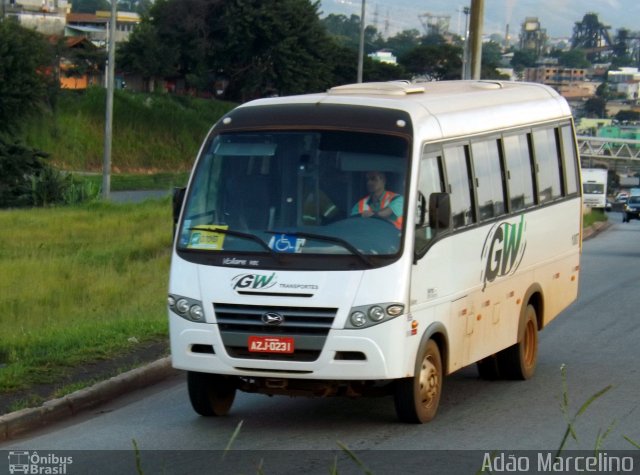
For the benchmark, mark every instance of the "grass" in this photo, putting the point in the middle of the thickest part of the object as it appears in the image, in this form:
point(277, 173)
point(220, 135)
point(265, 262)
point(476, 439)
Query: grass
point(151, 132)
point(79, 284)
point(145, 181)
point(594, 216)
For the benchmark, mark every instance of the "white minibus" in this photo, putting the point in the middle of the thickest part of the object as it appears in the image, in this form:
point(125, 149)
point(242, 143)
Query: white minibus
point(373, 239)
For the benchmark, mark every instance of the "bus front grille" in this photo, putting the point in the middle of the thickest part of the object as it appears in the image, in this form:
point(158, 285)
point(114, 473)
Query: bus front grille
point(308, 326)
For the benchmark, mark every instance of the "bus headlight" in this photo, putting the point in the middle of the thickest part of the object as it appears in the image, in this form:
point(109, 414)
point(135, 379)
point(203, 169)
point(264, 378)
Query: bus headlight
point(358, 319)
point(369, 315)
point(196, 313)
point(187, 308)
point(376, 313)
point(182, 306)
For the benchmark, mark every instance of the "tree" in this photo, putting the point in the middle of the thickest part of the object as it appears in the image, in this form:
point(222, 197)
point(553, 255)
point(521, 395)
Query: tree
point(627, 116)
point(434, 62)
point(27, 77)
point(622, 53)
point(272, 47)
point(143, 7)
point(403, 42)
point(603, 91)
point(147, 55)
point(491, 54)
point(433, 39)
point(574, 58)
point(346, 31)
point(491, 61)
point(524, 59)
point(193, 28)
point(343, 64)
point(595, 107)
point(379, 71)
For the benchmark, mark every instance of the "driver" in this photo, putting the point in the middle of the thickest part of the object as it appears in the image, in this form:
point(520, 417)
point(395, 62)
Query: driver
point(380, 202)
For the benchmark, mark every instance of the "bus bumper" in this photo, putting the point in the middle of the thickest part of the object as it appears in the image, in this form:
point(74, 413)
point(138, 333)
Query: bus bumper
point(346, 355)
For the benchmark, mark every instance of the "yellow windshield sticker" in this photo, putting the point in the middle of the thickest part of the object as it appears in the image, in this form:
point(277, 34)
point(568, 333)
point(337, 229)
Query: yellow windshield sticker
point(206, 237)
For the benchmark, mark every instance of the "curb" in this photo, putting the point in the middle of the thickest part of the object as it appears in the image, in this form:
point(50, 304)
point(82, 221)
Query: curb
point(22, 421)
point(595, 229)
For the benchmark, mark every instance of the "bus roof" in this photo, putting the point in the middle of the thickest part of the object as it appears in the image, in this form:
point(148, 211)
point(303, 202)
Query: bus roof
point(447, 109)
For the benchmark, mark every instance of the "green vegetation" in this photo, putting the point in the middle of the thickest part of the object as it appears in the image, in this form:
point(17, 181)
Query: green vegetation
point(131, 181)
point(151, 132)
point(24, 54)
point(593, 217)
point(79, 284)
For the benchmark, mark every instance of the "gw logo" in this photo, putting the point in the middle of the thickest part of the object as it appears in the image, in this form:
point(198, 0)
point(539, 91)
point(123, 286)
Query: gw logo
point(254, 281)
point(503, 250)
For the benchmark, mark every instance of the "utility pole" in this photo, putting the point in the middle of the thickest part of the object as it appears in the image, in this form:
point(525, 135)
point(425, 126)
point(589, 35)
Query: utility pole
point(108, 125)
point(361, 49)
point(465, 46)
point(475, 35)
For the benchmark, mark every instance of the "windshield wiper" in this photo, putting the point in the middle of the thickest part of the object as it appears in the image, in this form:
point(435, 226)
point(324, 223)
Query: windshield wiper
point(248, 236)
point(336, 240)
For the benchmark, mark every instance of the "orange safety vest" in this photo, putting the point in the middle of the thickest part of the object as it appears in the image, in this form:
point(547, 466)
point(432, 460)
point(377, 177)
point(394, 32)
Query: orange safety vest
point(385, 201)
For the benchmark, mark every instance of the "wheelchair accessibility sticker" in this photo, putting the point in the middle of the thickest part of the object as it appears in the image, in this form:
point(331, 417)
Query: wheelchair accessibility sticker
point(286, 243)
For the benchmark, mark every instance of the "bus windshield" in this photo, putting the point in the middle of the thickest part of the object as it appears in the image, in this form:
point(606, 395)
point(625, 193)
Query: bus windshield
point(299, 192)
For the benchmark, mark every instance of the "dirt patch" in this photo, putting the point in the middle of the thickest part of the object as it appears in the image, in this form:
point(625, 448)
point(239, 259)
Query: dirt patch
point(90, 373)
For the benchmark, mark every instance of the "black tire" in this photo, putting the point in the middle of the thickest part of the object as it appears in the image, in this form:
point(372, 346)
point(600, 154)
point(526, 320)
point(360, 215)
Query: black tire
point(519, 361)
point(211, 394)
point(416, 399)
point(488, 368)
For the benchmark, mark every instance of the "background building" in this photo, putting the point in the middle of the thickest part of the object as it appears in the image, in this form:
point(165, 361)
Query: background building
point(44, 16)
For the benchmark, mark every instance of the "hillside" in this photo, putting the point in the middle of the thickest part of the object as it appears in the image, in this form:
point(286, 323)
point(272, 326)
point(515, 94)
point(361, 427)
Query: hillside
point(151, 132)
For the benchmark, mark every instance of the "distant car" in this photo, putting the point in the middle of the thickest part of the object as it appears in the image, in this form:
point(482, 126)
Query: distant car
point(631, 209)
point(621, 197)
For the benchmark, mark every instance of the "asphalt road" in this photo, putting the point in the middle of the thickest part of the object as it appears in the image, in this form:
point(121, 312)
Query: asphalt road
point(597, 341)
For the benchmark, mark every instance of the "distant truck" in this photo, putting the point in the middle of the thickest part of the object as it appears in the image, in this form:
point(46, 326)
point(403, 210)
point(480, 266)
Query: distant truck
point(594, 187)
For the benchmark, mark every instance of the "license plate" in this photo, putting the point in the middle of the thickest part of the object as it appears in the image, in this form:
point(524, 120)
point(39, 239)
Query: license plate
point(270, 344)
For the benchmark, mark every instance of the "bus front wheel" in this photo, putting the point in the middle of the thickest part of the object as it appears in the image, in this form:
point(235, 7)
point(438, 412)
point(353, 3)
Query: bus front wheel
point(519, 361)
point(417, 398)
point(211, 394)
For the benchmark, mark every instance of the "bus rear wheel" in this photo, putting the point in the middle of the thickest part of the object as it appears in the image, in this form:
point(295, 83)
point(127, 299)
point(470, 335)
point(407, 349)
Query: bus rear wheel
point(519, 361)
point(211, 394)
point(417, 398)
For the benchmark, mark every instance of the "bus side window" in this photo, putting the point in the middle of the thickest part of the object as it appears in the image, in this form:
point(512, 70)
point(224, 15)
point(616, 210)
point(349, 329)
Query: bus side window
point(547, 164)
point(430, 181)
point(488, 175)
point(519, 175)
point(569, 160)
point(457, 167)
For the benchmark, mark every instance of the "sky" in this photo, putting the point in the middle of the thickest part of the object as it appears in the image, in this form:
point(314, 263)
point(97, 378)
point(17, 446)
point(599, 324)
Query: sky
point(556, 16)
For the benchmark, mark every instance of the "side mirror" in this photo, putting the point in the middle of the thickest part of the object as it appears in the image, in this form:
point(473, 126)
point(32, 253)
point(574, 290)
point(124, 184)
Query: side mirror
point(178, 199)
point(440, 211)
